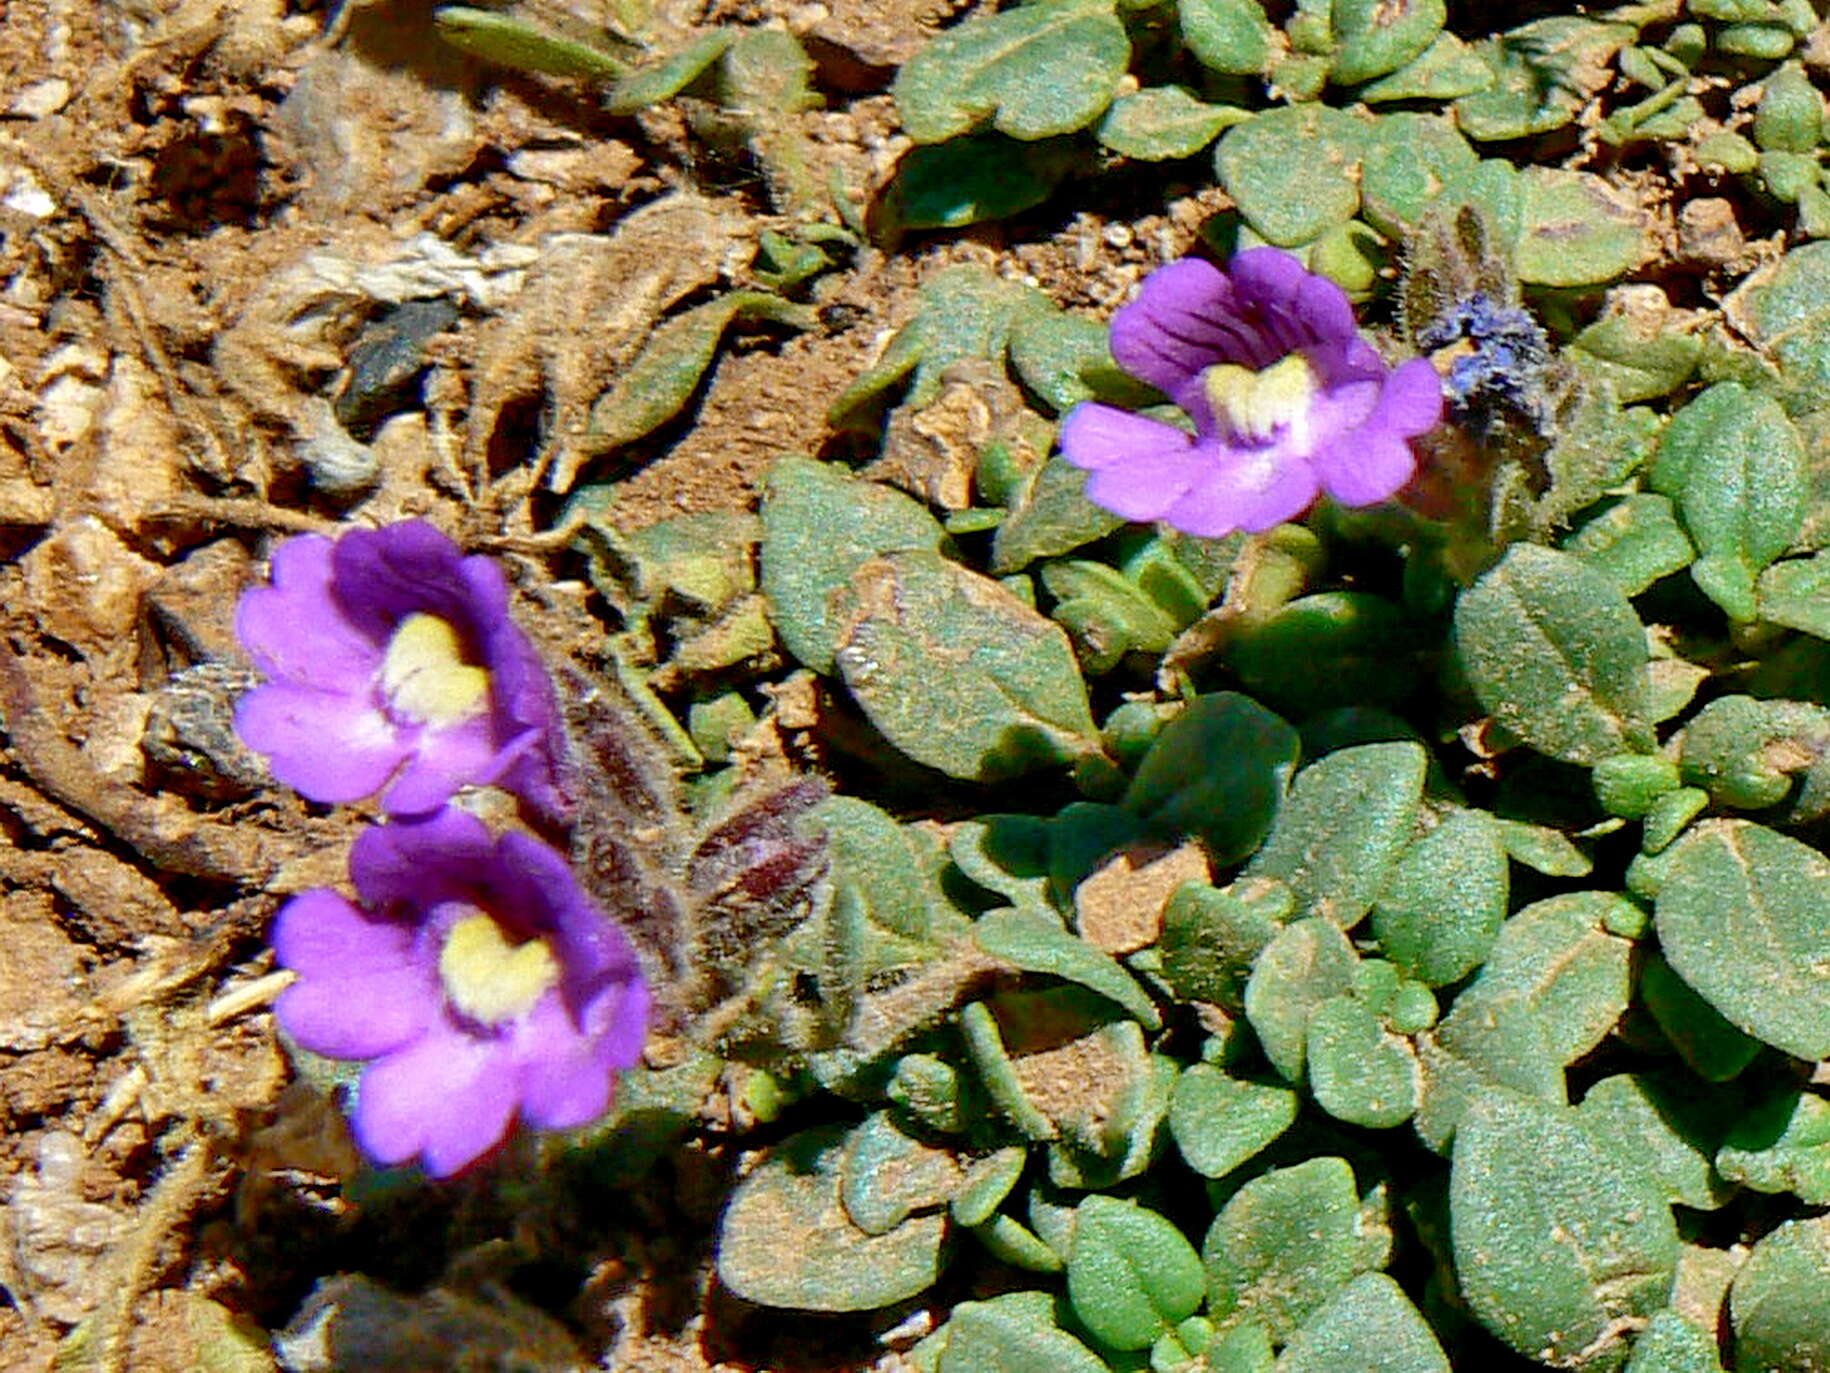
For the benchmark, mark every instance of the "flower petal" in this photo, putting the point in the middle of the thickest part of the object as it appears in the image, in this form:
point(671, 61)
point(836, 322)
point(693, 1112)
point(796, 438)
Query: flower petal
point(1411, 403)
point(1366, 466)
point(1149, 484)
point(443, 761)
point(323, 744)
point(381, 576)
point(448, 1098)
point(320, 933)
point(1183, 321)
point(422, 863)
point(295, 631)
point(1096, 436)
point(359, 1015)
point(1251, 490)
point(568, 1071)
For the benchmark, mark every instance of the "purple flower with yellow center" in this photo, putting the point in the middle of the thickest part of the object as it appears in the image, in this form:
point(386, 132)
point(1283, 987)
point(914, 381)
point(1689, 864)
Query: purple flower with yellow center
point(476, 978)
point(1288, 401)
point(392, 662)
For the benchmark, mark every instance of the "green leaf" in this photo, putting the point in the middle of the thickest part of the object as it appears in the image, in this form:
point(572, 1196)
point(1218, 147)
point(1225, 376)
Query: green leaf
point(1782, 1145)
point(1219, 1122)
point(1780, 1298)
point(656, 386)
point(1784, 310)
point(1557, 1244)
point(820, 524)
point(1231, 37)
point(1308, 963)
point(1554, 650)
point(1410, 160)
point(1635, 541)
point(1543, 73)
point(1446, 70)
point(1443, 903)
point(1164, 122)
point(1283, 1245)
point(1748, 753)
point(1663, 1126)
point(1033, 943)
point(652, 85)
point(1671, 1344)
point(1741, 920)
point(1543, 849)
point(1211, 938)
point(1359, 1071)
point(514, 43)
point(1050, 516)
point(1014, 1333)
point(1735, 465)
point(988, 1181)
point(1491, 1047)
point(1066, 359)
point(1347, 817)
point(1013, 698)
point(1218, 771)
point(1033, 72)
point(1329, 650)
point(1714, 1049)
point(1130, 1274)
point(1373, 37)
point(786, 1240)
point(1294, 171)
point(1577, 229)
point(1796, 593)
point(1369, 1326)
point(885, 1176)
point(1557, 958)
point(970, 180)
point(1639, 352)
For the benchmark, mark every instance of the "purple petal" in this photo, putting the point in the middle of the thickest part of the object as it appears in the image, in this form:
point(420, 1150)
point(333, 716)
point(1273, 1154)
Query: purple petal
point(1096, 436)
point(359, 1016)
point(295, 631)
point(1365, 467)
point(1182, 322)
point(325, 745)
point(1251, 490)
point(567, 1075)
point(321, 934)
point(381, 576)
point(447, 1098)
point(1412, 401)
point(443, 761)
point(424, 862)
point(1149, 484)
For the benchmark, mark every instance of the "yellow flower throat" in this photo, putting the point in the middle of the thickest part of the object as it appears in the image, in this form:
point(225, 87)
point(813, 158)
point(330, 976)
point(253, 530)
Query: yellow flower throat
point(425, 677)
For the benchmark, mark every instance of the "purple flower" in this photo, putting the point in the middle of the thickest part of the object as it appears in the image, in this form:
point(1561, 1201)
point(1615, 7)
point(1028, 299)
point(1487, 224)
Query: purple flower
point(392, 662)
point(1288, 401)
point(478, 978)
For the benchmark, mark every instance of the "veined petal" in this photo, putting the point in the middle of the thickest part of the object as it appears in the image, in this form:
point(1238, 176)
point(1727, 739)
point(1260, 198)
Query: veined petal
point(321, 743)
point(1411, 403)
point(1148, 484)
point(447, 1098)
point(1365, 466)
point(295, 631)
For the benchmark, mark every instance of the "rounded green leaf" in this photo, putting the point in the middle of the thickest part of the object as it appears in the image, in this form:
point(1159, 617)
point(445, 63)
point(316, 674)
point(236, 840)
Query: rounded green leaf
point(1410, 160)
point(1781, 1300)
point(786, 1240)
point(1443, 903)
point(971, 179)
point(1358, 1071)
point(1373, 37)
point(956, 671)
point(1369, 1326)
point(1014, 1333)
point(1308, 963)
point(1034, 72)
point(1284, 1244)
point(1218, 1122)
point(1557, 1243)
point(1293, 171)
point(1554, 650)
point(1164, 122)
point(1741, 920)
point(1577, 230)
point(819, 524)
point(1228, 36)
point(1131, 1275)
point(1347, 817)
